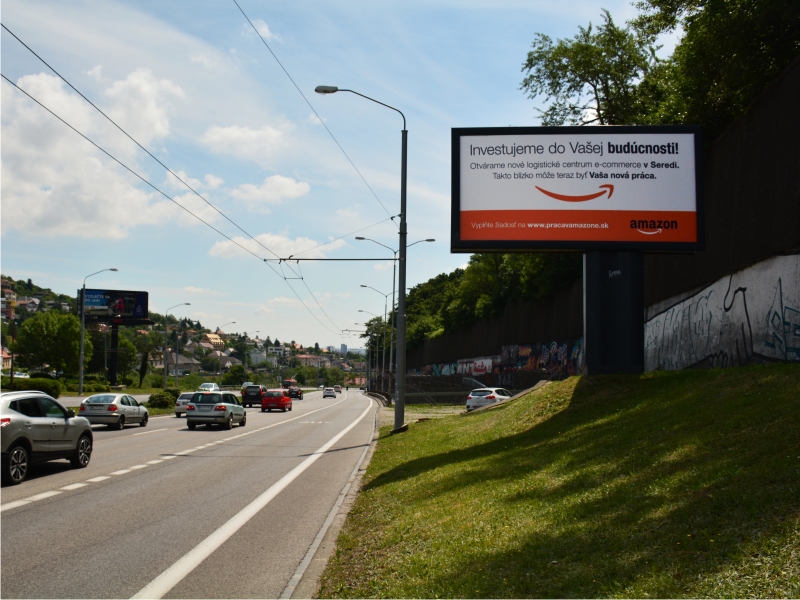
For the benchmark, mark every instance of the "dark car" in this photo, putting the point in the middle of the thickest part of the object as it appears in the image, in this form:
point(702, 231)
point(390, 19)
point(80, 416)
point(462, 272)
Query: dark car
point(35, 427)
point(295, 392)
point(253, 394)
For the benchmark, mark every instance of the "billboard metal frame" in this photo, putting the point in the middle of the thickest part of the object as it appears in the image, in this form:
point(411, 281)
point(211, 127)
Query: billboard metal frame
point(114, 318)
point(457, 245)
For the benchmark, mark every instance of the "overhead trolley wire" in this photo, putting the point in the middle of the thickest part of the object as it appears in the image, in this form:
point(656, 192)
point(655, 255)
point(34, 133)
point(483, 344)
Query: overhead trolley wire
point(165, 167)
point(311, 106)
point(145, 181)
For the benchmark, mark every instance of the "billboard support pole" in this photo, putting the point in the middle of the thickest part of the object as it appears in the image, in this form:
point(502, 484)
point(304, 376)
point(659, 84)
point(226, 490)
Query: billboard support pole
point(114, 362)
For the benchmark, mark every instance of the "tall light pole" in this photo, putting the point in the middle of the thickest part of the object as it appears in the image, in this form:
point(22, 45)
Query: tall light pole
point(391, 326)
point(83, 327)
point(383, 346)
point(399, 407)
point(165, 344)
point(381, 340)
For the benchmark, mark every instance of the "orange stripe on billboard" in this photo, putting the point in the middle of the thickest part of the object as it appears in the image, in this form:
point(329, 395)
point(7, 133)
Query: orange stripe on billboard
point(589, 226)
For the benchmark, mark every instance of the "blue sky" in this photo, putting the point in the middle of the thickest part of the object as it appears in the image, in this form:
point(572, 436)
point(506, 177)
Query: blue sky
point(194, 84)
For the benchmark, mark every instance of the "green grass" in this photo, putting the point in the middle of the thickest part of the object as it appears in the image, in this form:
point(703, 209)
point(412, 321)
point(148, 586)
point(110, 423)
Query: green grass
point(670, 484)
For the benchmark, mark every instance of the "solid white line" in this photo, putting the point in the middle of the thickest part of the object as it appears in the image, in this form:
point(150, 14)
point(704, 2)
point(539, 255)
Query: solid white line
point(162, 584)
point(151, 431)
point(74, 486)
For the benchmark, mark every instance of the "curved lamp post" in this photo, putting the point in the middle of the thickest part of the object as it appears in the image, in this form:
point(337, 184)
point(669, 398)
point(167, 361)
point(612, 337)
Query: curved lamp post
point(399, 407)
point(83, 327)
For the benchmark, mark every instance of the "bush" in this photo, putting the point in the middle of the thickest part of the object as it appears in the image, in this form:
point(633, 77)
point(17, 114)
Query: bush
point(90, 378)
point(72, 387)
point(174, 392)
point(161, 400)
point(98, 387)
point(48, 386)
point(127, 381)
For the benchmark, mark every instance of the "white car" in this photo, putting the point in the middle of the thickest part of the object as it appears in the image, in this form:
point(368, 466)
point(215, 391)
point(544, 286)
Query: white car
point(21, 375)
point(181, 402)
point(208, 387)
point(486, 396)
point(329, 393)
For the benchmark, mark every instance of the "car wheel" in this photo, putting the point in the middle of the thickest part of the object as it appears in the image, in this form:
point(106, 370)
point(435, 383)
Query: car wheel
point(191, 425)
point(177, 415)
point(83, 453)
point(290, 408)
point(243, 422)
point(229, 422)
point(263, 410)
point(15, 466)
point(121, 422)
point(145, 418)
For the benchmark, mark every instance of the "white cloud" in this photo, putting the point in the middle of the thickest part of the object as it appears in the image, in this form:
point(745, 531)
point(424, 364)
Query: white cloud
point(245, 142)
point(55, 183)
point(202, 60)
point(315, 120)
point(191, 289)
point(96, 73)
point(275, 189)
point(383, 266)
point(265, 31)
point(281, 245)
point(213, 182)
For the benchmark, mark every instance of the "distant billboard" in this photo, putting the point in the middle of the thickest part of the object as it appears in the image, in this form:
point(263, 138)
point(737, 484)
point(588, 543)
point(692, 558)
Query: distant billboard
point(571, 188)
point(106, 305)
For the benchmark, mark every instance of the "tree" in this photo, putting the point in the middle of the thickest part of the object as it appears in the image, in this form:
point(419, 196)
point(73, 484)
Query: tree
point(210, 363)
point(126, 356)
point(148, 346)
point(51, 339)
point(591, 78)
point(234, 376)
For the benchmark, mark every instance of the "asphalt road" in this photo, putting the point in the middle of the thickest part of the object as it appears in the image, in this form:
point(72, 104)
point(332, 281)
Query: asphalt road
point(162, 511)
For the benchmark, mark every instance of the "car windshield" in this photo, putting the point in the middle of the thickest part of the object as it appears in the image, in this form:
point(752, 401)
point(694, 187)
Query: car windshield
point(105, 399)
point(207, 386)
point(185, 396)
point(253, 389)
point(481, 392)
point(274, 394)
point(203, 398)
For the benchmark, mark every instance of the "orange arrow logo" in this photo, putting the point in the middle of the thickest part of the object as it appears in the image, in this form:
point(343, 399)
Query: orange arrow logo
point(565, 198)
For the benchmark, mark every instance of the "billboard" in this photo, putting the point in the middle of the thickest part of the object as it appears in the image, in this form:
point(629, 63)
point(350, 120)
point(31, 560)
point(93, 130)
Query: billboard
point(105, 305)
point(576, 188)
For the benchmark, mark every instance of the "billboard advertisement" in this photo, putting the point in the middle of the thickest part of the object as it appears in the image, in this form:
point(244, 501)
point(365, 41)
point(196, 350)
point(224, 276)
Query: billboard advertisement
point(576, 188)
point(109, 304)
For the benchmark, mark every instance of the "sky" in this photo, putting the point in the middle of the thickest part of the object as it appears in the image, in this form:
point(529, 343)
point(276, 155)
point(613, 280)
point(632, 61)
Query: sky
point(195, 85)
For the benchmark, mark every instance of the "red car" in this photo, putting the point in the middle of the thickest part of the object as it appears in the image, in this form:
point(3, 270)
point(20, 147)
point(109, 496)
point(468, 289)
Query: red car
point(277, 399)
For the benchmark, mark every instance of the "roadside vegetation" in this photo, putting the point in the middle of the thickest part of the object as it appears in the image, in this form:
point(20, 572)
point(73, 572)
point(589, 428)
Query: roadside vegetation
point(669, 484)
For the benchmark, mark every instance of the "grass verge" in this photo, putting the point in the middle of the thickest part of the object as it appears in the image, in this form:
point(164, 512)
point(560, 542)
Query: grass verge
point(669, 484)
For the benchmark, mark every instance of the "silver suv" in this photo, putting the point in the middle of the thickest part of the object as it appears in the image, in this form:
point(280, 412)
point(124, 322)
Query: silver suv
point(221, 408)
point(35, 428)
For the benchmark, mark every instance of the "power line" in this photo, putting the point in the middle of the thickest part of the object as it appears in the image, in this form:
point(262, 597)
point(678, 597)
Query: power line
point(134, 173)
point(333, 137)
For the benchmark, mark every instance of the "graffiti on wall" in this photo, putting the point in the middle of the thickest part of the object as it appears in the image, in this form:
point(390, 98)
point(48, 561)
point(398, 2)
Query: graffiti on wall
point(563, 357)
point(752, 315)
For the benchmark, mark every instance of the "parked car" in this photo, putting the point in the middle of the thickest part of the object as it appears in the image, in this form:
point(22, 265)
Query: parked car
point(181, 402)
point(253, 394)
point(20, 375)
point(295, 392)
point(34, 428)
point(114, 410)
point(221, 408)
point(328, 393)
point(279, 399)
point(337, 389)
point(486, 396)
point(208, 387)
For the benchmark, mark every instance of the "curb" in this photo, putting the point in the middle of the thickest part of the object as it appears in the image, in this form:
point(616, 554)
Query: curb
point(312, 566)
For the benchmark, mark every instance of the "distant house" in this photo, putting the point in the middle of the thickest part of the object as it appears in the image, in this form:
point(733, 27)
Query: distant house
point(259, 357)
point(358, 366)
point(213, 339)
point(310, 360)
point(6, 358)
point(206, 345)
point(6, 310)
point(185, 364)
point(9, 294)
point(28, 303)
point(278, 350)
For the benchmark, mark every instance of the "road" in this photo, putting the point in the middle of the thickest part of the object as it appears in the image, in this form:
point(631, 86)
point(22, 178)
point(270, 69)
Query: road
point(162, 511)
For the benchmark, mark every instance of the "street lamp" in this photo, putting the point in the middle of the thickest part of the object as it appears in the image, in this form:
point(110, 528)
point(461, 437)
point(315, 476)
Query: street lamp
point(83, 327)
point(383, 346)
point(399, 408)
point(382, 341)
point(176, 345)
point(391, 325)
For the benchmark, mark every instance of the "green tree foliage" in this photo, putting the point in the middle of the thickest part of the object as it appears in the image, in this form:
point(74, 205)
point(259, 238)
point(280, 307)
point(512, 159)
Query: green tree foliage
point(148, 346)
point(51, 339)
point(234, 376)
point(591, 78)
point(126, 356)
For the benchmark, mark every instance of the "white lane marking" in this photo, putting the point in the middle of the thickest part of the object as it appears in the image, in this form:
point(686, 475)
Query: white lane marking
point(101, 478)
point(74, 486)
point(170, 457)
point(121, 472)
point(14, 504)
point(42, 496)
point(24, 501)
point(137, 467)
point(151, 431)
point(154, 462)
point(162, 584)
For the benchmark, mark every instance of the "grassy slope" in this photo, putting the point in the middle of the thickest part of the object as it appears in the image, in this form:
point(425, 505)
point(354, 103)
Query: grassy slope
point(669, 484)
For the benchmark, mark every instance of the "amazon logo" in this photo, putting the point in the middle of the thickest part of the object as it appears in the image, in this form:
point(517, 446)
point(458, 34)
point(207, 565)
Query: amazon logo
point(652, 226)
point(569, 198)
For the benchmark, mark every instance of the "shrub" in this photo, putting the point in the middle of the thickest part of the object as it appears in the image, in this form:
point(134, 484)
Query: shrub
point(72, 387)
point(174, 392)
point(161, 400)
point(97, 387)
point(127, 381)
point(48, 386)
